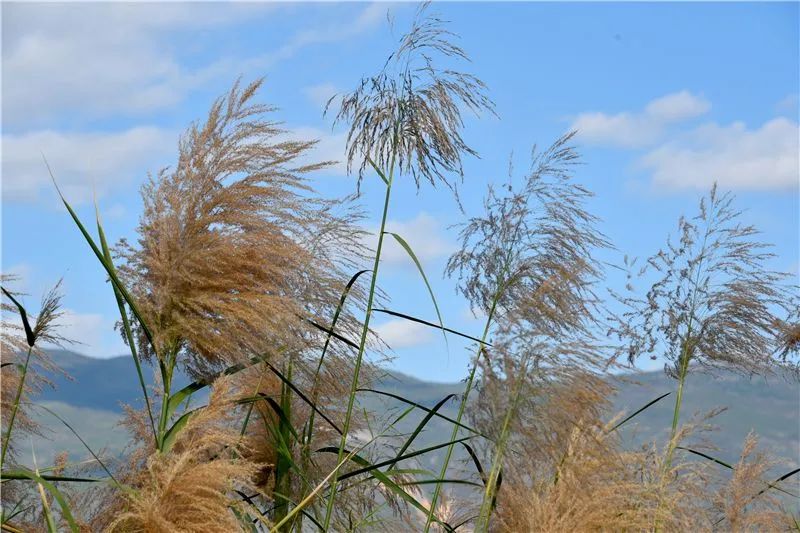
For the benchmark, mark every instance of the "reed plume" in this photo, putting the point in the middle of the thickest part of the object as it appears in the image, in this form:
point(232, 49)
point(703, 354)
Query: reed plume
point(410, 113)
point(191, 489)
point(223, 267)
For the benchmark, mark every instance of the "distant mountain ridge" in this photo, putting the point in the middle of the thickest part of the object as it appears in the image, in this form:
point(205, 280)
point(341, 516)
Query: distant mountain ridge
point(92, 401)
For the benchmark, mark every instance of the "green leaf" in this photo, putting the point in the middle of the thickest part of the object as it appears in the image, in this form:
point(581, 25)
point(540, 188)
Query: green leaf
point(431, 324)
point(179, 397)
point(413, 256)
point(475, 460)
point(335, 449)
point(422, 407)
point(379, 171)
point(275, 407)
point(110, 475)
point(29, 336)
point(332, 333)
point(109, 269)
point(420, 427)
point(301, 395)
point(126, 326)
point(172, 433)
point(18, 475)
point(635, 413)
point(386, 482)
point(65, 512)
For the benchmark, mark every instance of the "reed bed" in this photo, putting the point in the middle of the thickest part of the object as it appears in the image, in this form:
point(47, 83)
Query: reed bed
point(242, 276)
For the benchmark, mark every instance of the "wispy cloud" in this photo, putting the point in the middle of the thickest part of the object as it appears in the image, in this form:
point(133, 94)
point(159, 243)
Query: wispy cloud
point(320, 94)
point(733, 156)
point(404, 334)
point(693, 156)
point(93, 333)
point(637, 129)
point(81, 161)
point(101, 59)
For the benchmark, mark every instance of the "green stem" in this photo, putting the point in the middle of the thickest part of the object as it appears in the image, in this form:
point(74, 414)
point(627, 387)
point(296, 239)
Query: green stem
point(497, 462)
point(282, 482)
point(461, 409)
point(361, 348)
point(682, 373)
point(166, 379)
point(15, 407)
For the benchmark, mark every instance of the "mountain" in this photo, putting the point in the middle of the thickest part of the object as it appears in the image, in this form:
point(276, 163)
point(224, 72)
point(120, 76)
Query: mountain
point(91, 401)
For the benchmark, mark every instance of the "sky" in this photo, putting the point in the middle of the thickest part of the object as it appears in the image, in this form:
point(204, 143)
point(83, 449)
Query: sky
point(667, 99)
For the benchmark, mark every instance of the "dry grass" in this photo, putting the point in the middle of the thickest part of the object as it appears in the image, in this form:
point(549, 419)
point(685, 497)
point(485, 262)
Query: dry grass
point(237, 256)
point(190, 489)
point(233, 245)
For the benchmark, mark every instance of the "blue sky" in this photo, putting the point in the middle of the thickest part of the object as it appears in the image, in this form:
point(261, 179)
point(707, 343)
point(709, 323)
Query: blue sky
point(667, 98)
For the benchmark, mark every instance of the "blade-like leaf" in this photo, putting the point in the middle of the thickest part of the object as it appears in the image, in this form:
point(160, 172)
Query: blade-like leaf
point(386, 482)
point(334, 449)
point(420, 406)
point(275, 407)
point(126, 326)
point(301, 395)
point(109, 270)
point(29, 336)
point(332, 333)
point(475, 460)
point(420, 427)
point(20, 475)
point(635, 413)
point(379, 171)
point(705, 456)
point(309, 432)
point(65, 512)
point(172, 433)
point(179, 397)
point(107, 471)
point(431, 324)
point(413, 256)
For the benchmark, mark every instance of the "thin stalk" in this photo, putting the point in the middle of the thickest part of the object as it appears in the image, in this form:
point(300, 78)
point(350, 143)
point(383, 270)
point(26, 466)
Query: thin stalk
point(684, 370)
point(461, 409)
point(362, 345)
point(14, 409)
point(497, 462)
point(166, 379)
point(282, 485)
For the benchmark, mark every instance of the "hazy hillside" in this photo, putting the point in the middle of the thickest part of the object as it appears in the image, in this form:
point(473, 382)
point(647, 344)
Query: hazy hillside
point(91, 401)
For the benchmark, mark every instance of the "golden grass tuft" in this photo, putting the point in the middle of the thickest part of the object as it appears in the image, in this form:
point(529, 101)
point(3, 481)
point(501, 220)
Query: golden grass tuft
point(190, 488)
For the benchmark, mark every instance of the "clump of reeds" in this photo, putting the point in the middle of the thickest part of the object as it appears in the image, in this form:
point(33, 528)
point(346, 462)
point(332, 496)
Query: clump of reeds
point(222, 268)
point(714, 304)
point(191, 488)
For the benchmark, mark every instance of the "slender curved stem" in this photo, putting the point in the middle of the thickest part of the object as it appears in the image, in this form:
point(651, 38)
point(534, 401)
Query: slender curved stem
point(361, 347)
point(15, 407)
point(461, 409)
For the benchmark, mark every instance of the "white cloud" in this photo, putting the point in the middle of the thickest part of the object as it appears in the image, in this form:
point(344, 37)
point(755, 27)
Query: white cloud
point(94, 333)
point(320, 94)
point(631, 130)
point(424, 234)
point(676, 107)
point(402, 333)
point(734, 156)
point(81, 161)
point(330, 147)
point(119, 58)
